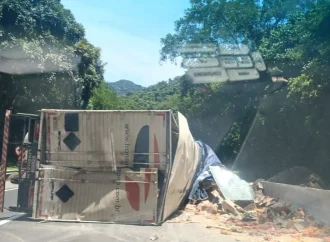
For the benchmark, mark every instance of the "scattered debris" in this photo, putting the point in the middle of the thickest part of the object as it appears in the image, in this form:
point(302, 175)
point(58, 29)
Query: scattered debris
point(265, 217)
point(299, 227)
point(248, 217)
point(236, 230)
point(153, 238)
point(231, 207)
point(215, 196)
point(225, 232)
point(228, 204)
point(208, 207)
point(250, 207)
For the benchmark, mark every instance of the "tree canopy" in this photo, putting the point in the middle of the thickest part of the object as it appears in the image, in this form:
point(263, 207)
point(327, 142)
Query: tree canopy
point(291, 35)
point(45, 58)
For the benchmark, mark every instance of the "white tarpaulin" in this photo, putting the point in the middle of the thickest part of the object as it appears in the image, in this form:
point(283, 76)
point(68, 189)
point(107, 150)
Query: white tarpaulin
point(183, 170)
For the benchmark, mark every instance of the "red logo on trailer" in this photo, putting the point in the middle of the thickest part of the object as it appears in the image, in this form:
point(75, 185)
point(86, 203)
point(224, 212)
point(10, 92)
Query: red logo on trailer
point(141, 160)
point(133, 190)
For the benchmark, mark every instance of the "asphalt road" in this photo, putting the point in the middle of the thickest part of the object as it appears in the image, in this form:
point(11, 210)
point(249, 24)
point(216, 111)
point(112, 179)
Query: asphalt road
point(17, 228)
point(10, 200)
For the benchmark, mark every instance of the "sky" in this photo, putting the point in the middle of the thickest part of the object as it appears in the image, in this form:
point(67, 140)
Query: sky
point(129, 33)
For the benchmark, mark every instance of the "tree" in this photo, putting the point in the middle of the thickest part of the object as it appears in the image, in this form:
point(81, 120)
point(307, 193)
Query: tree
point(103, 98)
point(302, 47)
point(41, 46)
point(223, 22)
point(90, 69)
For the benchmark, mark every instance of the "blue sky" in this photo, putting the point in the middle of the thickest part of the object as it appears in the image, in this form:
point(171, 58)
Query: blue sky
point(129, 32)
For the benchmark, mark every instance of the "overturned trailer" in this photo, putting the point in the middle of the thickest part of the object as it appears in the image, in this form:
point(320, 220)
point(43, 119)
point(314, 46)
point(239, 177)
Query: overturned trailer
point(130, 167)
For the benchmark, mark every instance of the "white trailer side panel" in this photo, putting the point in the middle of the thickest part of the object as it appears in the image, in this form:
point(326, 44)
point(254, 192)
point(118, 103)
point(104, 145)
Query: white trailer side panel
point(83, 138)
point(124, 196)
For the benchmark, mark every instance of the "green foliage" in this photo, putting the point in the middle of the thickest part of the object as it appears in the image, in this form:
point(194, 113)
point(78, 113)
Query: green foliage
point(292, 35)
point(238, 21)
point(32, 18)
point(103, 98)
point(304, 85)
point(90, 69)
point(45, 60)
point(153, 97)
point(233, 138)
point(302, 47)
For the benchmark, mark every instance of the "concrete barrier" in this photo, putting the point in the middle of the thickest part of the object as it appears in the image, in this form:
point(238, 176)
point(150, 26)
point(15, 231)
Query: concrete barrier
point(315, 201)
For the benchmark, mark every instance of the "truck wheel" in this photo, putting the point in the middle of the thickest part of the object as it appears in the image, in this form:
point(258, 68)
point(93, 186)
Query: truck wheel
point(14, 178)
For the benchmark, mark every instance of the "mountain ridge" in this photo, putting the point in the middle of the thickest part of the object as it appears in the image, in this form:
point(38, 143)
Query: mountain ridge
point(123, 87)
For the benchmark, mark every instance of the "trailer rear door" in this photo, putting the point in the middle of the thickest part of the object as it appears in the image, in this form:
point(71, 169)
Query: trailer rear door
point(24, 139)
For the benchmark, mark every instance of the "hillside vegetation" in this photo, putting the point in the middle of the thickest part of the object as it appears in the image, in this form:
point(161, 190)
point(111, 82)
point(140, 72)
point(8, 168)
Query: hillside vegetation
point(123, 87)
point(47, 62)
